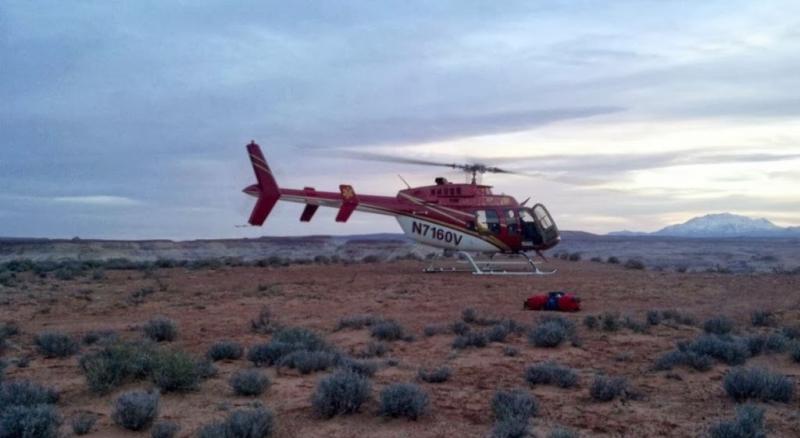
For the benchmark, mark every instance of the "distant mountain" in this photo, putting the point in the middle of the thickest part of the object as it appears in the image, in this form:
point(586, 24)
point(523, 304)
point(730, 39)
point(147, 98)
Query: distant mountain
point(721, 225)
point(627, 233)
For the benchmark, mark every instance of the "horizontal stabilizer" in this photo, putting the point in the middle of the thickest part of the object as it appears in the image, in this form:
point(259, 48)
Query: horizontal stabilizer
point(349, 203)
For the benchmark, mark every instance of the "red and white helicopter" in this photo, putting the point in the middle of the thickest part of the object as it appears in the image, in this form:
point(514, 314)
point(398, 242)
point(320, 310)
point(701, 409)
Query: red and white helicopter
point(465, 218)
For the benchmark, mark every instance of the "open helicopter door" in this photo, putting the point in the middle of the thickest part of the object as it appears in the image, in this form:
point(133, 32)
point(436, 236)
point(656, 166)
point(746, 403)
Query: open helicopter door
point(548, 231)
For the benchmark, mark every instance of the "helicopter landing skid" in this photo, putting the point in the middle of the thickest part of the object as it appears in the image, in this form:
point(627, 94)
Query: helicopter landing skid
point(488, 267)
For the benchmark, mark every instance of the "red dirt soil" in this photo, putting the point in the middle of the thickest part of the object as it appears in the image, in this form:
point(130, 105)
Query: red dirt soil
point(209, 305)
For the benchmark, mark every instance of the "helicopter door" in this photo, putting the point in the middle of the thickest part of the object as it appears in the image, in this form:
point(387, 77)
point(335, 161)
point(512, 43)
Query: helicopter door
point(538, 228)
point(546, 226)
point(530, 232)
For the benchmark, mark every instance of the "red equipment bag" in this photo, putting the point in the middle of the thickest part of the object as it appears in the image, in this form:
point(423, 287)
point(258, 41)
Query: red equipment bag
point(558, 301)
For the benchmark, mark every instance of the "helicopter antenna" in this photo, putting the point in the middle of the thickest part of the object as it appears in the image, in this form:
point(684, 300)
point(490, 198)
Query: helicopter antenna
point(404, 181)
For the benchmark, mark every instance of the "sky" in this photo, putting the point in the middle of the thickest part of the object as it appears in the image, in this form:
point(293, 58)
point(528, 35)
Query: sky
point(129, 119)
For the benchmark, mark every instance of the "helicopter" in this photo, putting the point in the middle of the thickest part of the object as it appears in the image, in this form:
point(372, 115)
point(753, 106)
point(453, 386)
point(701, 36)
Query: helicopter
point(457, 217)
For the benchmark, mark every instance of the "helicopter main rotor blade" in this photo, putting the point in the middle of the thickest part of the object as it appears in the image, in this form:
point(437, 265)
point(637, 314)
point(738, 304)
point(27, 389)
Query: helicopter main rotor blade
point(374, 156)
point(474, 166)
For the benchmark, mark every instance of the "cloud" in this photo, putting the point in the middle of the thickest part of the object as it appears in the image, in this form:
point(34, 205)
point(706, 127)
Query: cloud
point(605, 166)
point(98, 200)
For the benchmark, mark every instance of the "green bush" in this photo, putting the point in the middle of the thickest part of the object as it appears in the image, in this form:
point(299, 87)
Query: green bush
point(206, 369)
point(515, 427)
point(512, 411)
point(497, 333)
point(434, 329)
point(357, 322)
point(175, 371)
point(756, 383)
point(269, 353)
point(164, 429)
point(561, 432)
point(37, 421)
point(653, 317)
point(609, 322)
point(161, 329)
point(667, 361)
point(470, 339)
point(342, 392)
point(729, 350)
point(550, 333)
point(387, 330)
point(436, 375)
point(376, 349)
point(749, 423)
point(8, 279)
point(256, 422)
point(222, 350)
point(249, 382)
point(94, 336)
point(459, 328)
point(677, 317)
point(514, 403)
point(794, 352)
point(8, 329)
point(83, 422)
point(116, 364)
point(302, 338)
point(469, 315)
point(607, 388)
point(762, 318)
point(634, 264)
point(634, 325)
point(25, 393)
point(56, 344)
point(286, 341)
point(264, 323)
point(365, 368)
point(403, 400)
point(551, 373)
point(307, 362)
point(135, 410)
point(718, 325)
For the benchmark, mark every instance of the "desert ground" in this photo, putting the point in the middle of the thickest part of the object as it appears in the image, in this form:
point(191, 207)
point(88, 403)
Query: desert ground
point(219, 303)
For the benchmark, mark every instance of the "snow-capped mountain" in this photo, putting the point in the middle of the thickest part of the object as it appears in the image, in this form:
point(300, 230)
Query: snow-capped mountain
point(724, 225)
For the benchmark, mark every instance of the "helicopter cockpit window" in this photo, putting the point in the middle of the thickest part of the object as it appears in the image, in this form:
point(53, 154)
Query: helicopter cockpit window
point(512, 225)
point(525, 215)
point(543, 218)
point(488, 219)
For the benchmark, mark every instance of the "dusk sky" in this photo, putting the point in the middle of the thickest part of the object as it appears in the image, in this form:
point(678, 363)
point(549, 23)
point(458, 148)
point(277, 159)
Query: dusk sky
point(129, 119)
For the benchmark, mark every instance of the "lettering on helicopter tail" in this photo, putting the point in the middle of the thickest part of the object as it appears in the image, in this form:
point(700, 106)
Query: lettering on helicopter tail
point(434, 232)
